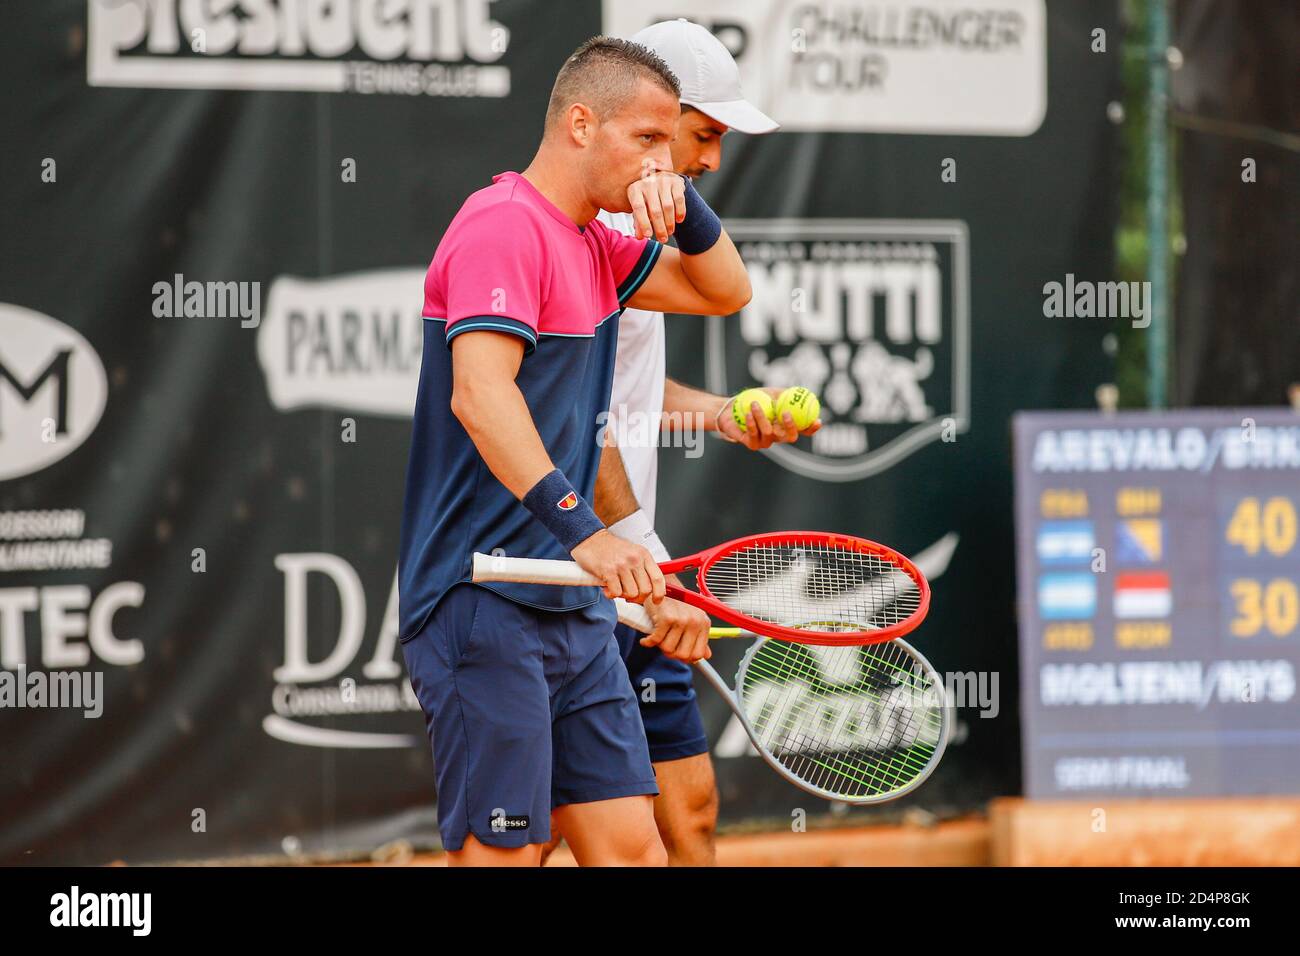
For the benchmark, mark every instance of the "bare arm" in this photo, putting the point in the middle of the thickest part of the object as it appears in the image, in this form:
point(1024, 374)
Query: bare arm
point(682, 400)
point(714, 282)
point(615, 499)
point(681, 631)
point(715, 413)
point(487, 402)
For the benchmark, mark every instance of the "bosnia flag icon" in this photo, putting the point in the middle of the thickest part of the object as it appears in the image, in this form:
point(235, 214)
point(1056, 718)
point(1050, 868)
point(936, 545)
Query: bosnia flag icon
point(1140, 541)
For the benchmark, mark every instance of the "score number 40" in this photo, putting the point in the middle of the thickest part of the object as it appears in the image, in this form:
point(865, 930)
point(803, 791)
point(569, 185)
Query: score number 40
point(1271, 527)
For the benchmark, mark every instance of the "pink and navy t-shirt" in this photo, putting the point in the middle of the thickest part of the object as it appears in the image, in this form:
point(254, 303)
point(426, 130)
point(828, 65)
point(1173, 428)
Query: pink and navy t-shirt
point(511, 262)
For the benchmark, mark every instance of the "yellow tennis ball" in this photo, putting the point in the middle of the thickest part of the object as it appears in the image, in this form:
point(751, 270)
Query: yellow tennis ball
point(740, 407)
point(802, 405)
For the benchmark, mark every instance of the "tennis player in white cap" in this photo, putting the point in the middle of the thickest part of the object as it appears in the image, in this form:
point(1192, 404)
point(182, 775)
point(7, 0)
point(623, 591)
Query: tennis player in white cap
point(687, 806)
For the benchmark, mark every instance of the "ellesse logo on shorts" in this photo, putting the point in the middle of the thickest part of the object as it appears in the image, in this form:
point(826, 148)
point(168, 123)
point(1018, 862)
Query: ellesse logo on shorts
point(501, 823)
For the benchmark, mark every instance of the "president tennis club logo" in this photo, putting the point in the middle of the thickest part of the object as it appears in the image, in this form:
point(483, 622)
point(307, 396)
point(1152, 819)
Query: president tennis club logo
point(872, 315)
point(52, 391)
point(412, 47)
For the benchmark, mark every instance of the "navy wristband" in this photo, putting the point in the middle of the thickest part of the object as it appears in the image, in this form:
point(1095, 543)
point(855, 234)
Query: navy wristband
point(701, 228)
point(555, 504)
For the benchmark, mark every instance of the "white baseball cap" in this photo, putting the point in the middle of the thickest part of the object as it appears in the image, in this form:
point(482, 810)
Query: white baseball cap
point(709, 77)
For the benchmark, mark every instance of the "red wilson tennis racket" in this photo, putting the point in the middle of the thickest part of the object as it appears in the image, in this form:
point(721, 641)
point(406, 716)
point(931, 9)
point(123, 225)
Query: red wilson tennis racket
point(810, 587)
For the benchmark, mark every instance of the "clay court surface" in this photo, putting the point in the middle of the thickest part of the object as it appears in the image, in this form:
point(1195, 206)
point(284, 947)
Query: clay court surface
point(1248, 832)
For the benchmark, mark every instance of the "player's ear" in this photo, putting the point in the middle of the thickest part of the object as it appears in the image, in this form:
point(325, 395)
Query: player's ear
point(582, 126)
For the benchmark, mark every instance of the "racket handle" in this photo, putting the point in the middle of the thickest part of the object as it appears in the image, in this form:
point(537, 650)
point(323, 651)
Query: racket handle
point(634, 616)
point(491, 567)
point(638, 618)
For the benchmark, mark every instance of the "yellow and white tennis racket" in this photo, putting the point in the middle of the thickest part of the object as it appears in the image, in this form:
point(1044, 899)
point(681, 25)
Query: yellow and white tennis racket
point(855, 723)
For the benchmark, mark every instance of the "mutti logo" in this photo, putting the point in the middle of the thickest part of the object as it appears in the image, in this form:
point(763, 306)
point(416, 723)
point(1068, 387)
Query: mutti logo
point(52, 391)
point(418, 47)
point(872, 315)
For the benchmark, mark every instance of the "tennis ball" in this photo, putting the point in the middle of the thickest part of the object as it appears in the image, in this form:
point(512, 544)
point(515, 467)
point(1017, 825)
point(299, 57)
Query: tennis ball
point(740, 407)
point(802, 405)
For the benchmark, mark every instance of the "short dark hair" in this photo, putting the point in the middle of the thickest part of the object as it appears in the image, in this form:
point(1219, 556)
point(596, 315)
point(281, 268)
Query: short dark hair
point(603, 74)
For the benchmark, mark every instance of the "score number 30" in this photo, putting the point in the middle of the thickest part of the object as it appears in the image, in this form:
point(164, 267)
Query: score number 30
point(1275, 605)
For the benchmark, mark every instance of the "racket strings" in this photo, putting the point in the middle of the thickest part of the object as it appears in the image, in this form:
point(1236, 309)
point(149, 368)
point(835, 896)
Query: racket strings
point(854, 722)
point(799, 740)
point(834, 765)
point(814, 586)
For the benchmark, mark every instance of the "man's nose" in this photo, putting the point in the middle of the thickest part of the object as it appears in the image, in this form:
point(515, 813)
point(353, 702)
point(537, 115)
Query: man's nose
point(711, 158)
point(663, 156)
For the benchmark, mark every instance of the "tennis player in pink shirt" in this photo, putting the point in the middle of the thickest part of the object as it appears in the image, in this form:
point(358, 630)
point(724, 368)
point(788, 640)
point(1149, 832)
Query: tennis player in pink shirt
point(526, 697)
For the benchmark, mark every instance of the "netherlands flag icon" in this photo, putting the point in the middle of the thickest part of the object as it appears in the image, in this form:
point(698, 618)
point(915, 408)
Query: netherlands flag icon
point(568, 502)
point(1143, 594)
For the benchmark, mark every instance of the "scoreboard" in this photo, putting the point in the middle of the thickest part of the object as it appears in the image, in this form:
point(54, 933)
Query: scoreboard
point(1158, 562)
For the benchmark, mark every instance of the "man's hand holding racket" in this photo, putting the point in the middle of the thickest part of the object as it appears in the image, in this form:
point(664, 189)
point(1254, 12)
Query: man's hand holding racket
point(680, 630)
point(809, 587)
point(623, 569)
point(830, 695)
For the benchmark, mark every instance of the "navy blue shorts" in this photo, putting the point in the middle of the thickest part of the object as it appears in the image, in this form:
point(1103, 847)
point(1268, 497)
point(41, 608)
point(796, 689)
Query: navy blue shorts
point(526, 710)
point(669, 712)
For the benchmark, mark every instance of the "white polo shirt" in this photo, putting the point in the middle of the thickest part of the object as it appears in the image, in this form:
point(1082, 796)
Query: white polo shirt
point(637, 399)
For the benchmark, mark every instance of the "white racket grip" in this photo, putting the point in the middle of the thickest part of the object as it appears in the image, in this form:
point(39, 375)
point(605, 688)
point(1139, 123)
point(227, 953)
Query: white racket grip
point(634, 616)
point(492, 567)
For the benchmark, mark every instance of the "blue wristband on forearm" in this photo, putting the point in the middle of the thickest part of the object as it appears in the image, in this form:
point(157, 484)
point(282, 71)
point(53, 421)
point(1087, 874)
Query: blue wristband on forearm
point(701, 228)
point(555, 504)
